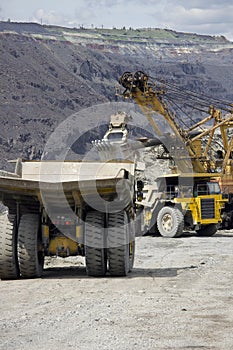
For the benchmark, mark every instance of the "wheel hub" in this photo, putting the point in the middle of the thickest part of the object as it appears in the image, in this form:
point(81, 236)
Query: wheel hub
point(167, 222)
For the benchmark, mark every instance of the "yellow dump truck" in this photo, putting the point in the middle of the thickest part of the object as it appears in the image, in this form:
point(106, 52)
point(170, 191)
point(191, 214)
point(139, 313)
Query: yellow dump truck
point(178, 202)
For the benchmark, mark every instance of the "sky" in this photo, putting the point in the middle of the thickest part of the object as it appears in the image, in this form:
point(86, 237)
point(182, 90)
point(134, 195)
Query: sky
point(212, 17)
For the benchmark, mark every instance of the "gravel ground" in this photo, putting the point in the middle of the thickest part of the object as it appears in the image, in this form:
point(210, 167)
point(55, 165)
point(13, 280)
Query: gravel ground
point(179, 296)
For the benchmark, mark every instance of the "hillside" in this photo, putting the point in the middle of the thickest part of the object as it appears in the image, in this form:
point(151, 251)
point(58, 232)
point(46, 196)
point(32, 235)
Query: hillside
point(48, 73)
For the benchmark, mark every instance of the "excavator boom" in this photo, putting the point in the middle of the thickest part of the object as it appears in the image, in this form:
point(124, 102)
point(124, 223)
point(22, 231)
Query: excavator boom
point(143, 91)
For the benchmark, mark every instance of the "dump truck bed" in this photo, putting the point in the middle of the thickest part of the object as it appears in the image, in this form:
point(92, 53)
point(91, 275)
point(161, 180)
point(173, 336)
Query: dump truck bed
point(74, 179)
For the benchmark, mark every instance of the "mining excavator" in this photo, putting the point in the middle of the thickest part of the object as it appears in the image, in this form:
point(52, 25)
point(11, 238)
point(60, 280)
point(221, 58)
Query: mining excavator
point(192, 196)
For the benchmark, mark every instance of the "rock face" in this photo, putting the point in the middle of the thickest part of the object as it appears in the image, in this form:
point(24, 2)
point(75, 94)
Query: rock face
point(49, 73)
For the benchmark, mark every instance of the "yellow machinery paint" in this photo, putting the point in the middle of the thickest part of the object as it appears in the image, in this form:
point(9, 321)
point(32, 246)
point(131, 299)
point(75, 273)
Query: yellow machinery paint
point(194, 205)
point(62, 246)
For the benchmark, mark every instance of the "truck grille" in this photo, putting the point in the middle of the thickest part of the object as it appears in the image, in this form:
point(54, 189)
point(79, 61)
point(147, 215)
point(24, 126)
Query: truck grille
point(207, 208)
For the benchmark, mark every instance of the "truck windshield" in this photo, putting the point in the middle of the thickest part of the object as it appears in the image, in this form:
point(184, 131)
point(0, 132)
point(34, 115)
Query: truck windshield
point(214, 188)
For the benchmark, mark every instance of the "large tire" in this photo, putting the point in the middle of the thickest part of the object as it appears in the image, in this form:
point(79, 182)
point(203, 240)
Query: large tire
point(30, 254)
point(207, 230)
point(170, 222)
point(95, 251)
point(121, 244)
point(9, 268)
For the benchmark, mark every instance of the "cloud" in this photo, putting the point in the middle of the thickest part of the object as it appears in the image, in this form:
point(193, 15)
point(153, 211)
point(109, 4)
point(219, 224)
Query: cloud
point(48, 17)
point(197, 16)
point(203, 17)
point(209, 17)
point(106, 3)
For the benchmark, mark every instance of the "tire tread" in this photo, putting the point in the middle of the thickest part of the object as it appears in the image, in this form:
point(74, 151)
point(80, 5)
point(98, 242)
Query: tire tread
point(95, 255)
point(29, 263)
point(8, 256)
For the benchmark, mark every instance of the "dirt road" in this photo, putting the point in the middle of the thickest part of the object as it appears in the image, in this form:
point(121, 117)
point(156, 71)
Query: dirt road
point(179, 296)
